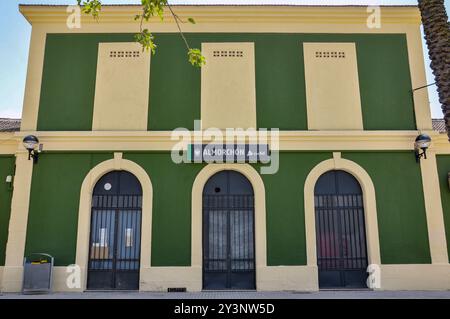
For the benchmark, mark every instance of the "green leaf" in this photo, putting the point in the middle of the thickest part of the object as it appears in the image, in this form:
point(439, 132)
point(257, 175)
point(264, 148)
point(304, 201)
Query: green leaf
point(92, 7)
point(196, 58)
point(150, 8)
point(145, 38)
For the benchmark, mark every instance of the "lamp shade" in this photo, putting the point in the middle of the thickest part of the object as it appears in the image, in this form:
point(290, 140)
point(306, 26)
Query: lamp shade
point(30, 142)
point(423, 141)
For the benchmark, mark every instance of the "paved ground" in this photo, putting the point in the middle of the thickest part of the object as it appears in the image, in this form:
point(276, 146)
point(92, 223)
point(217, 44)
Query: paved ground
point(242, 295)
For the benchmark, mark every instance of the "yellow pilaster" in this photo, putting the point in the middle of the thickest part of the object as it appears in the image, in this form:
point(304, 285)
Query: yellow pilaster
point(434, 212)
point(418, 78)
point(15, 247)
point(34, 79)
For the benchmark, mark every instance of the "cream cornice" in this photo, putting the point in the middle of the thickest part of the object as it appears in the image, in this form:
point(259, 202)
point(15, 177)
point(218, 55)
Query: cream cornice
point(234, 14)
point(288, 140)
point(441, 144)
point(8, 143)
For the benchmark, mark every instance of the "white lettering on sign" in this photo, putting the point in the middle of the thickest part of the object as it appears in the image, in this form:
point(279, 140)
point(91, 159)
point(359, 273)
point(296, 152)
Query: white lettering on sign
point(222, 152)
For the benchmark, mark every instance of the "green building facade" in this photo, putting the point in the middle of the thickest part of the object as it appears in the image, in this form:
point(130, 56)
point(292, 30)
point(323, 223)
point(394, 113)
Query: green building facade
point(346, 205)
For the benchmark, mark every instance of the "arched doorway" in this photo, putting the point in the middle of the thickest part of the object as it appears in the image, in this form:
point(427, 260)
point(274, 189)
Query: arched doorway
point(228, 232)
point(340, 231)
point(115, 236)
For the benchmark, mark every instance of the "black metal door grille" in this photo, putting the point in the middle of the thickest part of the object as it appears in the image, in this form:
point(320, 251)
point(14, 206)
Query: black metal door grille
point(341, 239)
point(114, 250)
point(228, 242)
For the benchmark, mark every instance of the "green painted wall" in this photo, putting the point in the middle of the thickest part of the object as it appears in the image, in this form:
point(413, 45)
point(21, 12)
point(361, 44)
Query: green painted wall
point(54, 203)
point(6, 168)
point(70, 69)
point(286, 239)
point(443, 162)
point(174, 86)
point(68, 81)
point(52, 223)
point(172, 184)
point(172, 191)
point(402, 223)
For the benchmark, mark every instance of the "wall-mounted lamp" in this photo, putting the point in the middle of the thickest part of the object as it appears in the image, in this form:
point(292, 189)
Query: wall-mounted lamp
point(31, 143)
point(422, 142)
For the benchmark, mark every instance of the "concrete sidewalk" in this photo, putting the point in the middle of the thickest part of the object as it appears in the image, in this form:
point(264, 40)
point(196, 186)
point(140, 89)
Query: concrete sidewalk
point(362, 294)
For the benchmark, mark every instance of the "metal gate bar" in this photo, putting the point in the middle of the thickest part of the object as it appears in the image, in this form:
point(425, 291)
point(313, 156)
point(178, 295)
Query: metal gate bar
point(341, 239)
point(340, 219)
point(114, 249)
point(228, 235)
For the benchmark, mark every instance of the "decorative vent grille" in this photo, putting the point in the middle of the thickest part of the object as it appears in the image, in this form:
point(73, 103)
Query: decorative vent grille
point(330, 54)
point(124, 54)
point(228, 53)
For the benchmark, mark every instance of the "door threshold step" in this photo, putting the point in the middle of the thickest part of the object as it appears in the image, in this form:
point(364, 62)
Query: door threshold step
point(112, 290)
point(230, 290)
point(345, 289)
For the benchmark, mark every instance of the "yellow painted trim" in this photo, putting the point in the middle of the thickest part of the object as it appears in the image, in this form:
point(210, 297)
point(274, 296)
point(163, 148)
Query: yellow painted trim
point(370, 208)
point(15, 247)
point(84, 212)
point(162, 278)
point(415, 277)
point(286, 278)
point(8, 143)
point(233, 14)
point(298, 26)
point(159, 279)
point(418, 78)
point(440, 144)
point(260, 216)
point(434, 211)
point(289, 140)
point(34, 79)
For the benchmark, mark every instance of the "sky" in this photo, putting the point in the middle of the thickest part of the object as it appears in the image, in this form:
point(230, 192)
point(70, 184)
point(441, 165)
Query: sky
point(15, 34)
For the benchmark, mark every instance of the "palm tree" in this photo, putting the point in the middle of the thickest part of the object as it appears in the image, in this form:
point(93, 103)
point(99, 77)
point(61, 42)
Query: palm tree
point(437, 35)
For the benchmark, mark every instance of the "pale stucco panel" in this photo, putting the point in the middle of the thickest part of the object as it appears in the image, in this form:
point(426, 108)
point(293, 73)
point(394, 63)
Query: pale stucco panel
point(332, 86)
point(228, 91)
point(121, 88)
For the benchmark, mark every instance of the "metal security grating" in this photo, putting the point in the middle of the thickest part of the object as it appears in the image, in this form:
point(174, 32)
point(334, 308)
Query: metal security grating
point(340, 231)
point(114, 250)
point(341, 243)
point(229, 235)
